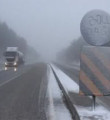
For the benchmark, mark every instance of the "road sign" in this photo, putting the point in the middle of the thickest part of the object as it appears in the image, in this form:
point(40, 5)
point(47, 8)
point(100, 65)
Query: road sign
point(95, 27)
point(95, 71)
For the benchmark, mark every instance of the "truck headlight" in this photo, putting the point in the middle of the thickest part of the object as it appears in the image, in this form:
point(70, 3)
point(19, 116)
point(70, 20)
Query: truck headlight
point(15, 63)
point(6, 63)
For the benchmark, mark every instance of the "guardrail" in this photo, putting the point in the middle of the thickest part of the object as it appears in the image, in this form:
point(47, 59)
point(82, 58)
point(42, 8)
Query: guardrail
point(68, 101)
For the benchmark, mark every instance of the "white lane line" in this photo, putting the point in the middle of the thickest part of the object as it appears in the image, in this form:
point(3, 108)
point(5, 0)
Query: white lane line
point(51, 106)
point(11, 79)
point(51, 101)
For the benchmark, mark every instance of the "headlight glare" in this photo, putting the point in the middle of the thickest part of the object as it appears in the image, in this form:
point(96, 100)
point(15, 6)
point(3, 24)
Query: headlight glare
point(5, 63)
point(15, 63)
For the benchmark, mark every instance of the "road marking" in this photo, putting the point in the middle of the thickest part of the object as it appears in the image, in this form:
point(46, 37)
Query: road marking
point(51, 106)
point(11, 79)
point(14, 77)
point(51, 101)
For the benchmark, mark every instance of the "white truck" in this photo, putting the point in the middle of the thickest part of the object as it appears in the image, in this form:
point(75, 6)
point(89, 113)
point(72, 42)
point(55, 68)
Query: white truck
point(13, 57)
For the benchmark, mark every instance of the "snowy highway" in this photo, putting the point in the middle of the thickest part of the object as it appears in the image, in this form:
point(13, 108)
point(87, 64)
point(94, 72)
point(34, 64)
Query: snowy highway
point(54, 60)
point(33, 92)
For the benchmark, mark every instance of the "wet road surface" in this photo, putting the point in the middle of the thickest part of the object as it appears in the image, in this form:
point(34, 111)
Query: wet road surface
point(19, 97)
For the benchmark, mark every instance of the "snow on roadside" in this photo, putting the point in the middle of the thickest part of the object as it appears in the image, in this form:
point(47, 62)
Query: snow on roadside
point(67, 82)
point(100, 113)
point(85, 113)
point(56, 108)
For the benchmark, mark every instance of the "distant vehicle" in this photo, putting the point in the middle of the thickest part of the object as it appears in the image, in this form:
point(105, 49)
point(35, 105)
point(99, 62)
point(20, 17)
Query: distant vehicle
point(13, 57)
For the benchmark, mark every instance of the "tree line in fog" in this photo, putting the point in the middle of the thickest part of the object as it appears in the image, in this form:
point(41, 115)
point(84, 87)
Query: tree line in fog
point(8, 38)
point(72, 53)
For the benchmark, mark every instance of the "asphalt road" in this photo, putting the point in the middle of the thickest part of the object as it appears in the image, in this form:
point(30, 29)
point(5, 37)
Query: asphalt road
point(20, 92)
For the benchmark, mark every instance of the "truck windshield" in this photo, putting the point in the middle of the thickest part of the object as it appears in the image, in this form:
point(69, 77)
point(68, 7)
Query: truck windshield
point(10, 54)
point(10, 59)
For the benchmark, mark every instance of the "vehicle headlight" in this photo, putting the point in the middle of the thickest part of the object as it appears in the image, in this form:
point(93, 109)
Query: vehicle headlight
point(6, 63)
point(15, 63)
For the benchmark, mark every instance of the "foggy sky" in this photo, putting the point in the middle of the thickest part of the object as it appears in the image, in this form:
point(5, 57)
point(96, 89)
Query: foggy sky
point(48, 25)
